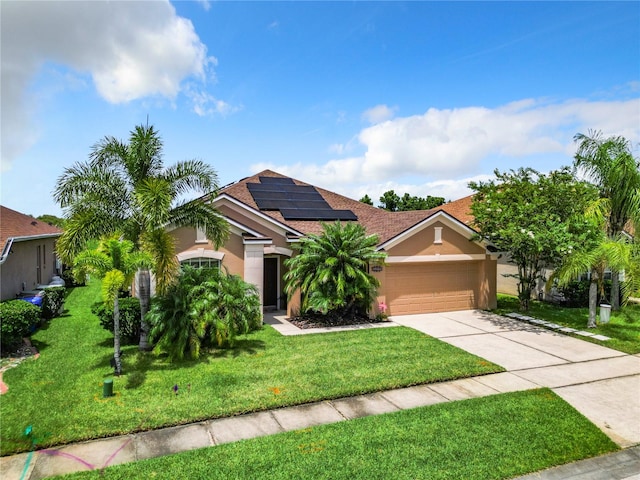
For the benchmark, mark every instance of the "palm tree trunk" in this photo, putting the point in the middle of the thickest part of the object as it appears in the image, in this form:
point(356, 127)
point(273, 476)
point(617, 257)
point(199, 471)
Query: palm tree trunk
point(116, 336)
point(615, 291)
point(593, 300)
point(144, 294)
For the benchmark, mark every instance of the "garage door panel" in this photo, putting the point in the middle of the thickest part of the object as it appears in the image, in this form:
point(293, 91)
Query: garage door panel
point(434, 287)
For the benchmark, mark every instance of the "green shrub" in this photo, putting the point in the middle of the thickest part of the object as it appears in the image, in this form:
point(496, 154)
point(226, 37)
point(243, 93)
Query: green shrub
point(206, 307)
point(129, 318)
point(16, 319)
point(70, 280)
point(576, 293)
point(53, 301)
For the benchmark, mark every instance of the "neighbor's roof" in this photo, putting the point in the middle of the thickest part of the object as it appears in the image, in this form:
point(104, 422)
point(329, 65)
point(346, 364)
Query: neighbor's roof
point(460, 209)
point(18, 225)
point(375, 220)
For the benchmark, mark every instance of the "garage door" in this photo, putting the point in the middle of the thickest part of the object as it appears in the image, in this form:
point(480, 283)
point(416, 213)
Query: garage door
point(432, 287)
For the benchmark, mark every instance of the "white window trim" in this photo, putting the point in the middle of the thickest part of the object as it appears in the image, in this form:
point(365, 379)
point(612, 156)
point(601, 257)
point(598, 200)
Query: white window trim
point(438, 235)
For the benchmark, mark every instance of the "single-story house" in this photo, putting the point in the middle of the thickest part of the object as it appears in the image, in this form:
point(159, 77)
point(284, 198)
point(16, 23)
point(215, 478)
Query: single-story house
point(434, 262)
point(28, 253)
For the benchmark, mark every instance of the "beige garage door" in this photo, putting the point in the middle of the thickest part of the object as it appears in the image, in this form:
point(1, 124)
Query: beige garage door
point(432, 287)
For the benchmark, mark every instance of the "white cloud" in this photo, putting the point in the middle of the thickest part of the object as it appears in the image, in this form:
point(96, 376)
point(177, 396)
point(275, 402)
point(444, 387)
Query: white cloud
point(131, 50)
point(453, 144)
point(379, 113)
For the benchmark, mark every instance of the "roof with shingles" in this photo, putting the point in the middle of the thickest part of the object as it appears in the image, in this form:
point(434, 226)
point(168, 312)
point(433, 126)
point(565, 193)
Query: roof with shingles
point(16, 224)
point(375, 220)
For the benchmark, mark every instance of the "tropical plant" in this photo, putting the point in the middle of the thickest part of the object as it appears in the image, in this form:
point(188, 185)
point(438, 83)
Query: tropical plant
point(609, 163)
point(125, 187)
point(595, 258)
point(533, 218)
point(115, 262)
point(205, 307)
point(331, 270)
point(129, 309)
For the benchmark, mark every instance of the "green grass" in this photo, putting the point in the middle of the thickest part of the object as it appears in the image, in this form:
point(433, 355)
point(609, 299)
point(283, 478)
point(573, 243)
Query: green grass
point(623, 328)
point(60, 394)
point(493, 437)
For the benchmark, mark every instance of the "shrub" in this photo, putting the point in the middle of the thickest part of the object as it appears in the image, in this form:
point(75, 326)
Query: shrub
point(70, 280)
point(129, 318)
point(576, 293)
point(53, 301)
point(16, 319)
point(206, 307)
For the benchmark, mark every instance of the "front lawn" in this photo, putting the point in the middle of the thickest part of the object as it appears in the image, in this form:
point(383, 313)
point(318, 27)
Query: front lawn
point(494, 437)
point(60, 393)
point(623, 328)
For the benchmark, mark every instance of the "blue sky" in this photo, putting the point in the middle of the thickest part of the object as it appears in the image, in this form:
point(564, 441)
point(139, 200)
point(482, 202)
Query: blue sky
point(356, 97)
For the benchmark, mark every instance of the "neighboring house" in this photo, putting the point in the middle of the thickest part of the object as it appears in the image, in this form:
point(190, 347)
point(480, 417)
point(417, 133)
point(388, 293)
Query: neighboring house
point(433, 262)
point(28, 252)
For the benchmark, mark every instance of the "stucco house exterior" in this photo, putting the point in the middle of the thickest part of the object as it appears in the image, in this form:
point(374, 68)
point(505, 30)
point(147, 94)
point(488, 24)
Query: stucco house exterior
point(28, 252)
point(434, 263)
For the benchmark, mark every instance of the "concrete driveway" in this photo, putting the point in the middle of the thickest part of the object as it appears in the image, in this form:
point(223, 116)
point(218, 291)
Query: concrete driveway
point(601, 383)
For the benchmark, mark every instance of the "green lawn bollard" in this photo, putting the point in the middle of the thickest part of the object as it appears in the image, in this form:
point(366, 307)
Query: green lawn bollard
point(107, 388)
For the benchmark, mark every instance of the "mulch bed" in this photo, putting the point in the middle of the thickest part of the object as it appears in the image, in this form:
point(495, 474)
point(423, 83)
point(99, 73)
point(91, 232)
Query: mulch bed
point(320, 321)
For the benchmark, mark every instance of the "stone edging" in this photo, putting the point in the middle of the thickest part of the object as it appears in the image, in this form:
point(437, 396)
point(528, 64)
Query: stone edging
point(555, 326)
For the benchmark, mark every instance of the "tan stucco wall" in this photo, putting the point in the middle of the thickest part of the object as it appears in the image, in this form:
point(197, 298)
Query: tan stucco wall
point(21, 266)
point(233, 249)
point(422, 243)
point(277, 236)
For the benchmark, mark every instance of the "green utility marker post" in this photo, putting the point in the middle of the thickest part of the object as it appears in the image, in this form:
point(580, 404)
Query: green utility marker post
point(107, 388)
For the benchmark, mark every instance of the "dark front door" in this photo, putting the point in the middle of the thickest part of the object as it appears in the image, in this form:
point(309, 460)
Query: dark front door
point(270, 282)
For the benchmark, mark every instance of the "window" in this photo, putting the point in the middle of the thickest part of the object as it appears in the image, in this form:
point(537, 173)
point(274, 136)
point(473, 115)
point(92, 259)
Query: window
point(202, 262)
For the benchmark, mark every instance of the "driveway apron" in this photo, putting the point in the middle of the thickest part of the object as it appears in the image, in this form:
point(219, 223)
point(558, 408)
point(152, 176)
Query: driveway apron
point(601, 383)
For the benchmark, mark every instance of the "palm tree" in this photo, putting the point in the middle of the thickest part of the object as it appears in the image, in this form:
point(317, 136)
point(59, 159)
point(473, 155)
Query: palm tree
point(611, 166)
point(125, 187)
point(115, 262)
point(331, 270)
point(608, 253)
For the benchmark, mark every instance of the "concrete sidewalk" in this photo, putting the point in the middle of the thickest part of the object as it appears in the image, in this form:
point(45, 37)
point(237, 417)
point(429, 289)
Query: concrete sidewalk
point(601, 383)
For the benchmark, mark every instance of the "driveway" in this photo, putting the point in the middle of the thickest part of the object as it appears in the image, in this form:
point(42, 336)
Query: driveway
point(601, 383)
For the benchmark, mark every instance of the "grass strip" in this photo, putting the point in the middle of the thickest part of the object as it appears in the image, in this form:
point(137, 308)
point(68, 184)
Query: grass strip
point(494, 437)
point(623, 328)
point(60, 394)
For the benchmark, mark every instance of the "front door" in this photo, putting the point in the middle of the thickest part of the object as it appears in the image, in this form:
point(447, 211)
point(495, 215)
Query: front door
point(270, 282)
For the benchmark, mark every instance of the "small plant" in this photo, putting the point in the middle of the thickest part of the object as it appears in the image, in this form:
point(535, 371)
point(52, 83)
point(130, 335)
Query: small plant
point(16, 319)
point(53, 301)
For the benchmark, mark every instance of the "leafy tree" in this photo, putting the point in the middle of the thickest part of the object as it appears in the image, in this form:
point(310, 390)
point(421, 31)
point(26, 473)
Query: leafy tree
point(409, 202)
point(534, 217)
point(125, 187)
point(204, 307)
point(52, 220)
point(115, 262)
point(366, 199)
point(331, 270)
point(609, 163)
point(390, 201)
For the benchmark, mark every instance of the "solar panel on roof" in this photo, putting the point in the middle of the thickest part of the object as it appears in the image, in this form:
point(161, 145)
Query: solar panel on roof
point(276, 181)
point(315, 214)
point(295, 202)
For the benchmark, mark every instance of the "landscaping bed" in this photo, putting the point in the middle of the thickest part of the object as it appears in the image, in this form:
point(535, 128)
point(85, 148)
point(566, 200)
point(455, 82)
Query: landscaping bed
point(310, 320)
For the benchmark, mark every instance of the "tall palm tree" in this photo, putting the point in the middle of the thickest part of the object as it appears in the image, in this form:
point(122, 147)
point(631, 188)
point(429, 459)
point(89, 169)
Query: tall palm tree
point(331, 269)
point(125, 187)
point(115, 262)
point(611, 166)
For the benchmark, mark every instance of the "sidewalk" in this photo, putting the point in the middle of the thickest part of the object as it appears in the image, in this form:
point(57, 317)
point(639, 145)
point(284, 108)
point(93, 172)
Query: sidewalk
point(601, 383)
